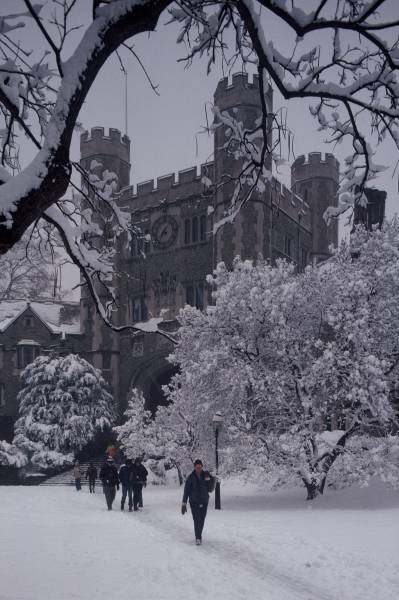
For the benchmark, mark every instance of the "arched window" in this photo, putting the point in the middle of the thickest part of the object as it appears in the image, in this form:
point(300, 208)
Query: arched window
point(187, 231)
point(199, 297)
point(139, 310)
point(195, 229)
point(190, 295)
point(27, 351)
point(2, 395)
point(203, 228)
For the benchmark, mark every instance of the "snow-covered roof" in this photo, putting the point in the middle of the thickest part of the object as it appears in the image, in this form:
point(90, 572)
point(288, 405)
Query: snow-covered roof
point(28, 343)
point(49, 312)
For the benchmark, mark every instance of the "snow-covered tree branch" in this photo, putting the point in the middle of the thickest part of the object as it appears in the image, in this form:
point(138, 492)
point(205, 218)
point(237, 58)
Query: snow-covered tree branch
point(353, 90)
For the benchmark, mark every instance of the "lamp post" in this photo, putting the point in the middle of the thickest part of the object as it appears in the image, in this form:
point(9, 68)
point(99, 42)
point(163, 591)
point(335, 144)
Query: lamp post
point(217, 422)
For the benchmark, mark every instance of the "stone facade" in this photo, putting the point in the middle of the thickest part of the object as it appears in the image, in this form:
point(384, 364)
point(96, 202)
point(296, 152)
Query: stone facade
point(176, 214)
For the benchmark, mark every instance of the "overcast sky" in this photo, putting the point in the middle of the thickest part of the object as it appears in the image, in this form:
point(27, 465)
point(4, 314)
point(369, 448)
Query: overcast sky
point(165, 129)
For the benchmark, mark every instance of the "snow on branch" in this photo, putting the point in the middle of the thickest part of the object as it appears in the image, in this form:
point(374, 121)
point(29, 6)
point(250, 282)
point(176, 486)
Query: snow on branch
point(352, 86)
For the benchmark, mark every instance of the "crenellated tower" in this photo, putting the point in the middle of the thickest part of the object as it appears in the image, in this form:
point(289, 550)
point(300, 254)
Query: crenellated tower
point(111, 153)
point(112, 150)
point(239, 99)
point(316, 179)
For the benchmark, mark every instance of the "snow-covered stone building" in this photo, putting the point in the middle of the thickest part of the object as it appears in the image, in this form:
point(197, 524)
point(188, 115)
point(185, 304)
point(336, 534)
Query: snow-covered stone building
point(28, 329)
point(178, 211)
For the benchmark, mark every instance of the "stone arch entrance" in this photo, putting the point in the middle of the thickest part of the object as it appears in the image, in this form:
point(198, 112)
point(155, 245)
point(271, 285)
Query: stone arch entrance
point(150, 376)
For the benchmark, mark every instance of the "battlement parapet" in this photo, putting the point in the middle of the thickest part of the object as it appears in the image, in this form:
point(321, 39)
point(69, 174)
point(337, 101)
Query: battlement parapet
point(238, 80)
point(171, 181)
point(109, 148)
point(316, 160)
point(243, 88)
point(98, 133)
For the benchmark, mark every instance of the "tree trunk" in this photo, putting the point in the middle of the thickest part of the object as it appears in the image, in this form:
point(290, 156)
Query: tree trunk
point(313, 488)
point(315, 484)
point(179, 474)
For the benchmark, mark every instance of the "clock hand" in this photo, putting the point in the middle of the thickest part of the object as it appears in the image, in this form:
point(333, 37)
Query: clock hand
point(164, 232)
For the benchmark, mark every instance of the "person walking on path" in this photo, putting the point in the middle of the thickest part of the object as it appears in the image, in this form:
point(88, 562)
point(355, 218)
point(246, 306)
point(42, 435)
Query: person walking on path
point(77, 473)
point(110, 481)
point(126, 479)
point(142, 474)
point(197, 487)
point(91, 474)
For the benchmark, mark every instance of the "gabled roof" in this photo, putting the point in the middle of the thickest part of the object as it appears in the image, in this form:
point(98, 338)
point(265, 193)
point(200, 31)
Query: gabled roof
point(48, 312)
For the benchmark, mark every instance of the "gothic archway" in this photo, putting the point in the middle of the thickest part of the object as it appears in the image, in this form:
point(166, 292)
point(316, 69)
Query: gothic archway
point(150, 377)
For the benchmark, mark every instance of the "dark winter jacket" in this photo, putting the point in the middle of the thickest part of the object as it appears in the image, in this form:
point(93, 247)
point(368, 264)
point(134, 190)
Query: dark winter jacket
point(196, 489)
point(109, 474)
point(125, 475)
point(91, 473)
point(142, 473)
point(138, 474)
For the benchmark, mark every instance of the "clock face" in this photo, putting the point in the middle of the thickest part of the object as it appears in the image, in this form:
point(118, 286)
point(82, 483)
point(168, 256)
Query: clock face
point(164, 231)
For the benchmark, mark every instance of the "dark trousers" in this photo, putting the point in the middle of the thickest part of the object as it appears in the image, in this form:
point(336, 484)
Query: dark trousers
point(109, 491)
point(199, 513)
point(137, 495)
point(92, 485)
point(127, 489)
point(141, 497)
point(77, 484)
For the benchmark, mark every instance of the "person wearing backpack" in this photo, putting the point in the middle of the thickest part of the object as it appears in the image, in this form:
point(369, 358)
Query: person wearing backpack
point(110, 480)
point(126, 479)
point(139, 478)
point(196, 490)
point(91, 473)
point(142, 474)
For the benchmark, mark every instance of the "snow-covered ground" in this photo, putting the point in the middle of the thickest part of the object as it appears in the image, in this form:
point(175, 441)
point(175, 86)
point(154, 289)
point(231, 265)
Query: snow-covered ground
point(59, 544)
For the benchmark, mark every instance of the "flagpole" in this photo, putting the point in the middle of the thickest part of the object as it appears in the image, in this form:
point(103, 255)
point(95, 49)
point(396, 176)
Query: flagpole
point(126, 122)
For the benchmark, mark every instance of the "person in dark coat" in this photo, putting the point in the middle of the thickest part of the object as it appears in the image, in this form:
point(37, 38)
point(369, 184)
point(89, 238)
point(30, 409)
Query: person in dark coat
point(142, 474)
point(197, 487)
point(126, 479)
point(139, 478)
point(91, 474)
point(77, 474)
point(110, 480)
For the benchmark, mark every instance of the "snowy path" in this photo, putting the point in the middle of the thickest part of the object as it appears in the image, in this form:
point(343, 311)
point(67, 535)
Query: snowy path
point(57, 544)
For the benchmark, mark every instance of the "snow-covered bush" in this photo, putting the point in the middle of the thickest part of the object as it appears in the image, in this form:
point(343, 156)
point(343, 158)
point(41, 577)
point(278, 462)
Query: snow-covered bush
point(287, 357)
point(62, 404)
point(11, 456)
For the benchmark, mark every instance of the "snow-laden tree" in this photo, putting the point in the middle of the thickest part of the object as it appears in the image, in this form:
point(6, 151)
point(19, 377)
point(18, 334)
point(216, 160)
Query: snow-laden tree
point(289, 357)
point(169, 436)
point(63, 402)
point(135, 435)
point(350, 80)
point(184, 434)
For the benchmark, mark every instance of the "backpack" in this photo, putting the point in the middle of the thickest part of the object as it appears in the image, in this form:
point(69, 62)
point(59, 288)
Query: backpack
point(211, 483)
